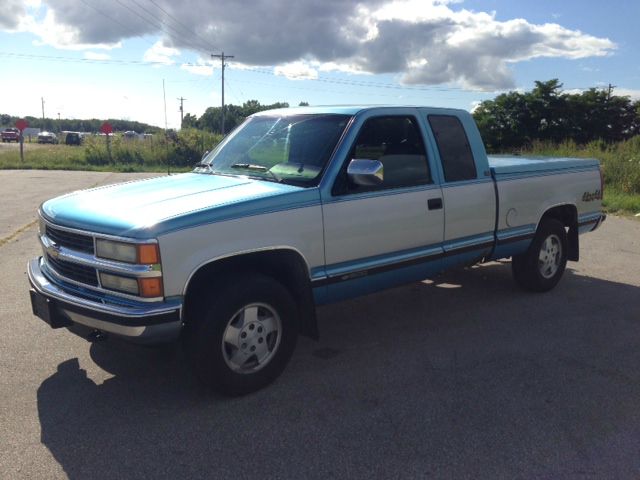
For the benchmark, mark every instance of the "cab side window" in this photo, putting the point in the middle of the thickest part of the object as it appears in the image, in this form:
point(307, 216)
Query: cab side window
point(397, 143)
point(453, 145)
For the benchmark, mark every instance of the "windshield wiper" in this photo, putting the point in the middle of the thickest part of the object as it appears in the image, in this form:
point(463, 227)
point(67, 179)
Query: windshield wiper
point(250, 166)
point(261, 168)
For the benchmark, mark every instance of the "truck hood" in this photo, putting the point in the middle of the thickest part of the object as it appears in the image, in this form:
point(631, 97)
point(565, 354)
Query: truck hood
point(148, 208)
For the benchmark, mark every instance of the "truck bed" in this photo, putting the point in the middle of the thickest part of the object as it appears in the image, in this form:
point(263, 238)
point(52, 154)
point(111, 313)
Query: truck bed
point(516, 164)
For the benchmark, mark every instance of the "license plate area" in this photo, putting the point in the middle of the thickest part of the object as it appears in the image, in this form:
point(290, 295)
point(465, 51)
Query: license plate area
point(45, 309)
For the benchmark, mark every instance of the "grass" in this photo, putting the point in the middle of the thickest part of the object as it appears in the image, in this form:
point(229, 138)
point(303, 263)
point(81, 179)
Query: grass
point(620, 165)
point(623, 203)
point(149, 155)
point(62, 157)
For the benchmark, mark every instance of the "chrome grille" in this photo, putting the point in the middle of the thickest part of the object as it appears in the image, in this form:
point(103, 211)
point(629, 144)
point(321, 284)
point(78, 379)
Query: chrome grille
point(74, 271)
point(73, 241)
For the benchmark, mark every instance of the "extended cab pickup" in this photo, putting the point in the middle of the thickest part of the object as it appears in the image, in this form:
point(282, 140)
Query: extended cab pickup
point(295, 208)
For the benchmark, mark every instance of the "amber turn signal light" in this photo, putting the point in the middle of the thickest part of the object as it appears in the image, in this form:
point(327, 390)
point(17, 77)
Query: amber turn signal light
point(150, 287)
point(148, 253)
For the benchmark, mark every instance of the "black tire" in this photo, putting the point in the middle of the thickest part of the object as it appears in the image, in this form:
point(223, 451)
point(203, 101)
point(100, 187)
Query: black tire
point(245, 307)
point(540, 268)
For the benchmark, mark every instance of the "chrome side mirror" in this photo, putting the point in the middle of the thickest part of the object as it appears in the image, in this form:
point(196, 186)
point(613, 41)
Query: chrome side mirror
point(366, 173)
point(204, 155)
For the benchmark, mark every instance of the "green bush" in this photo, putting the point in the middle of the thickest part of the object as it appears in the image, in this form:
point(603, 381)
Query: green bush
point(620, 161)
point(620, 166)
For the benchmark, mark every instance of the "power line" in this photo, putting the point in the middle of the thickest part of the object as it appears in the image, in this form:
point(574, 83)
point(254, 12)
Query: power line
point(185, 27)
point(347, 82)
point(337, 81)
point(129, 28)
point(82, 60)
point(153, 24)
point(162, 24)
point(363, 83)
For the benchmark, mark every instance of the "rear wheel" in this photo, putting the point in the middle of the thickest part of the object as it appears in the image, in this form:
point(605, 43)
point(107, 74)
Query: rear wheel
point(243, 337)
point(540, 268)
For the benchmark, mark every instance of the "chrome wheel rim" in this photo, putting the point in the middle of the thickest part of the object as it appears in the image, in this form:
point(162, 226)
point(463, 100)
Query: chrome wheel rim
point(251, 338)
point(550, 256)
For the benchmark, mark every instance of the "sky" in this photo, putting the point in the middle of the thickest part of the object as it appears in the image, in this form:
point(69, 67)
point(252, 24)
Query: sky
point(127, 58)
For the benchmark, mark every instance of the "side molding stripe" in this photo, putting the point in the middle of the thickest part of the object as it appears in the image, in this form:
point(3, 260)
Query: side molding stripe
point(364, 272)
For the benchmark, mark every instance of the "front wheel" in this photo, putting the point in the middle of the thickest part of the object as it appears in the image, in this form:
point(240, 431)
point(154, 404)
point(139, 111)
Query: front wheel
point(540, 268)
point(243, 337)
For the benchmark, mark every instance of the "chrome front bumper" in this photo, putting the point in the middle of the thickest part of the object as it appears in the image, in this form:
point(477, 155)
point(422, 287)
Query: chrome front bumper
point(145, 323)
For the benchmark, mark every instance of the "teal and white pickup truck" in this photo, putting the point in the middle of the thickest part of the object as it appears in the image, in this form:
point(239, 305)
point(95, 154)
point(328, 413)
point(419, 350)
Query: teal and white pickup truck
point(296, 208)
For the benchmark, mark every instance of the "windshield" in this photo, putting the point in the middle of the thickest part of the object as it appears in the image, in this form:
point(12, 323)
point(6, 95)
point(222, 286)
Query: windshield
point(288, 149)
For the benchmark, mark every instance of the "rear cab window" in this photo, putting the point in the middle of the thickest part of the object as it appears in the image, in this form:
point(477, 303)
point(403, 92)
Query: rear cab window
point(453, 145)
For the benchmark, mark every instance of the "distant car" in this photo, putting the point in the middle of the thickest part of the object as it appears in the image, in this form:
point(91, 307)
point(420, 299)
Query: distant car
point(10, 135)
point(73, 138)
point(47, 137)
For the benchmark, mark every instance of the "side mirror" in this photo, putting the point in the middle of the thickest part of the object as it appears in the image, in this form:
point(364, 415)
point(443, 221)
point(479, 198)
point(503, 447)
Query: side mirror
point(366, 173)
point(204, 155)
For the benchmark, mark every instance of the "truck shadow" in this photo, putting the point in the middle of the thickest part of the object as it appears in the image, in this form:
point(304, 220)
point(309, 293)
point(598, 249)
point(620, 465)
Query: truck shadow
point(464, 374)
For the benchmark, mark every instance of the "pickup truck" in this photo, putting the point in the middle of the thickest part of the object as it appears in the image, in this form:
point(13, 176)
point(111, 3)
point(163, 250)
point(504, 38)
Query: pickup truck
point(297, 208)
point(10, 135)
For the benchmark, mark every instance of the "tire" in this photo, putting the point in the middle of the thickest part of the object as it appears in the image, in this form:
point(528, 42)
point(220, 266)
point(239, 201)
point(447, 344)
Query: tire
point(242, 337)
point(540, 268)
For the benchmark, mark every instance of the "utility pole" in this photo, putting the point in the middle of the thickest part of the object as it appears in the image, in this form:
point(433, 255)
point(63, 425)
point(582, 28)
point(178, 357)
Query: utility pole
point(166, 136)
point(181, 110)
point(42, 100)
point(610, 91)
point(222, 58)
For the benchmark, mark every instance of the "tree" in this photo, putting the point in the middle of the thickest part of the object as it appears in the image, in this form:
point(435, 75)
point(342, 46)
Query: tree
point(211, 119)
point(514, 119)
point(190, 121)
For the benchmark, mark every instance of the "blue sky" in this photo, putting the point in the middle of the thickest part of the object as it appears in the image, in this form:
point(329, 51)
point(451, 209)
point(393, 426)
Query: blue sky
point(88, 60)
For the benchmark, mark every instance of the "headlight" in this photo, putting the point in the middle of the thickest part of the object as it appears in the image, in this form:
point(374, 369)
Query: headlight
point(150, 287)
point(128, 252)
point(121, 284)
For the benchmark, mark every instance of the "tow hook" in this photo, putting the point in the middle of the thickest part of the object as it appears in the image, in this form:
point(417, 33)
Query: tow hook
point(96, 336)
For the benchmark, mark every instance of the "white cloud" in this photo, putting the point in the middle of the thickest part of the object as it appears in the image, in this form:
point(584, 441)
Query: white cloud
point(296, 71)
point(96, 56)
point(338, 67)
point(11, 14)
point(422, 41)
point(159, 53)
point(620, 92)
point(198, 68)
point(50, 31)
point(627, 92)
point(236, 65)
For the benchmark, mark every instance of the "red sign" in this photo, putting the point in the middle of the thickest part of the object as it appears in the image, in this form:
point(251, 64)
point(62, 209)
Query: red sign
point(106, 128)
point(21, 124)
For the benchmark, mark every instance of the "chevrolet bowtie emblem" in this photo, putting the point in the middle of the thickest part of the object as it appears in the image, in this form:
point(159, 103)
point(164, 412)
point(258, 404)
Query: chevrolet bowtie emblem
point(54, 251)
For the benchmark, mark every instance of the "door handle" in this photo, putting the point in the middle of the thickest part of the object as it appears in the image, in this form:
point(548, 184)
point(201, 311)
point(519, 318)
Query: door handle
point(434, 203)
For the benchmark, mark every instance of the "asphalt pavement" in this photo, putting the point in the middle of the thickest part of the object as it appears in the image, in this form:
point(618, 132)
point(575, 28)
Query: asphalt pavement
point(463, 376)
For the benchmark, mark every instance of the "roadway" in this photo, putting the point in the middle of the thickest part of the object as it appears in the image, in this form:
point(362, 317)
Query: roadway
point(465, 376)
